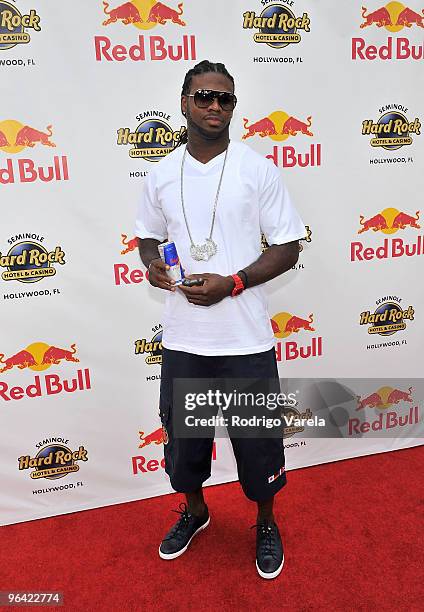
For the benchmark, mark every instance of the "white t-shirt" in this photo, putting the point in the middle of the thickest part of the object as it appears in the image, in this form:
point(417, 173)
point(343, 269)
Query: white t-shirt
point(252, 199)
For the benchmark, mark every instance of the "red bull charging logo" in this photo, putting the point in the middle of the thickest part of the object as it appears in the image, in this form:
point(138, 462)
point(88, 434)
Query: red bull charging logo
point(279, 126)
point(141, 465)
point(384, 398)
point(393, 17)
point(285, 324)
point(380, 401)
point(14, 26)
point(389, 221)
point(38, 357)
point(122, 273)
point(144, 15)
point(15, 137)
point(129, 244)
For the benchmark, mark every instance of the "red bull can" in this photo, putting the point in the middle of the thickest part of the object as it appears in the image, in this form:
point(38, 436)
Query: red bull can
point(169, 255)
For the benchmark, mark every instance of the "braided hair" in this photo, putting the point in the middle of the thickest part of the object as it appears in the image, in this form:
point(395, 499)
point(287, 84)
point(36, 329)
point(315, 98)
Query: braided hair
point(201, 68)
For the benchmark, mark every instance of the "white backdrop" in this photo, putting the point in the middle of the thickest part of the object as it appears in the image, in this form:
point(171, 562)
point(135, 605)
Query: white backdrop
point(79, 375)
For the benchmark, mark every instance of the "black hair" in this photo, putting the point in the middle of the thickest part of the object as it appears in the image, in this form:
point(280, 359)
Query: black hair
point(201, 68)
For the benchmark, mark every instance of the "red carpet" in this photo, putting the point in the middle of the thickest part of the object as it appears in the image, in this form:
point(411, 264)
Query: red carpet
point(353, 534)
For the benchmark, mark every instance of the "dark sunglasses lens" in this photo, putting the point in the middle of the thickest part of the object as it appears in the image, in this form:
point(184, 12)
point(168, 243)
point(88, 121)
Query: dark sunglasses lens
point(227, 101)
point(203, 99)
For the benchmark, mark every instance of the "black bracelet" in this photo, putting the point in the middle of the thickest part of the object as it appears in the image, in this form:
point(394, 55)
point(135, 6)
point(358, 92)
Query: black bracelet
point(244, 277)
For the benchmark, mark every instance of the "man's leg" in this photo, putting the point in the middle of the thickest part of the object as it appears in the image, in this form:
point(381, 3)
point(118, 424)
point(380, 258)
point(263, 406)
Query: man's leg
point(187, 460)
point(196, 503)
point(260, 461)
point(265, 510)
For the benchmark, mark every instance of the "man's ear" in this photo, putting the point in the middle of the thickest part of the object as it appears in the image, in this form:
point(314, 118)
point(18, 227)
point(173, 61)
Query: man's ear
point(184, 105)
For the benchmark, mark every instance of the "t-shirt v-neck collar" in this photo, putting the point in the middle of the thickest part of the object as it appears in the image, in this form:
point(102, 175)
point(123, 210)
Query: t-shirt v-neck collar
point(204, 168)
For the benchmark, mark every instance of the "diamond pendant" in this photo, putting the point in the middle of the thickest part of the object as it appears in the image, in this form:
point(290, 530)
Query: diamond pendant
point(203, 252)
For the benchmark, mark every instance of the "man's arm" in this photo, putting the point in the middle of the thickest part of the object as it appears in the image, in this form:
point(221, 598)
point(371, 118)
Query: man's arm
point(149, 253)
point(276, 260)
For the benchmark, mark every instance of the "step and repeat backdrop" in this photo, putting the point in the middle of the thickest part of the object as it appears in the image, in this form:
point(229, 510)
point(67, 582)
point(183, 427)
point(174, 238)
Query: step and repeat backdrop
point(330, 92)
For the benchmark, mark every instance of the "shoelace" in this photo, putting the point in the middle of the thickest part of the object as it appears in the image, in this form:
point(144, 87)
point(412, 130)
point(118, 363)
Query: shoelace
point(268, 540)
point(178, 529)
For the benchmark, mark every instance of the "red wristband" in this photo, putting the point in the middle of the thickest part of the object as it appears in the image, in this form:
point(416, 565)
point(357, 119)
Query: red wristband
point(238, 285)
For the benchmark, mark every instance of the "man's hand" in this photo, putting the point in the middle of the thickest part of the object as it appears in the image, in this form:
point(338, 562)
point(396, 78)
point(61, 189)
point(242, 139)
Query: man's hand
point(214, 289)
point(158, 276)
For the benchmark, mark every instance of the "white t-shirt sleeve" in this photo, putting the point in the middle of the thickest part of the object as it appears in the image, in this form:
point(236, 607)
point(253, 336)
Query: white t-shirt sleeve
point(279, 220)
point(150, 220)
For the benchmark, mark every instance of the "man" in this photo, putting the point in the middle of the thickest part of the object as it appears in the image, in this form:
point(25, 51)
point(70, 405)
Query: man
point(213, 198)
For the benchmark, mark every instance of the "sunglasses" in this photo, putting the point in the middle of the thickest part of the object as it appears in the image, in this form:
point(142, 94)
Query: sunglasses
point(205, 97)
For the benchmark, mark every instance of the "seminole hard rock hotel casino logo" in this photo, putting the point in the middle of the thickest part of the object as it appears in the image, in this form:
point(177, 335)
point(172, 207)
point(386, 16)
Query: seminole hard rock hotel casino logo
point(152, 139)
point(393, 130)
point(29, 261)
point(15, 27)
point(144, 16)
point(277, 25)
point(389, 318)
point(279, 126)
point(394, 17)
point(53, 460)
point(388, 221)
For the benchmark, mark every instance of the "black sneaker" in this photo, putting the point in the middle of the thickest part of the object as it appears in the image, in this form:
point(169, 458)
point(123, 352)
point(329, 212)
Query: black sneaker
point(176, 541)
point(269, 550)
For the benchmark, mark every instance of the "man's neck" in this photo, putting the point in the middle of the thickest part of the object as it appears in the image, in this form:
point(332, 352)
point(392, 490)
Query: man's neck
point(204, 150)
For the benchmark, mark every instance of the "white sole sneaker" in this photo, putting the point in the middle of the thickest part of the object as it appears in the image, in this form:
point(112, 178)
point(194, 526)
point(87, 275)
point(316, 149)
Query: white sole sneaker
point(269, 576)
point(170, 556)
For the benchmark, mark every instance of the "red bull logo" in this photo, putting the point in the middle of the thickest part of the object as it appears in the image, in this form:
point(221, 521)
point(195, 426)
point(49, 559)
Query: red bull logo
point(392, 17)
point(38, 357)
point(393, 130)
point(389, 221)
point(279, 126)
point(122, 273)
point(384, 398)
point(141, 465)
point(284, 325)
point(153, 138)
point(14, 25)
point(15, 137)
point(145, 15)
point(129, 245)
point(388, 318)
point(380, 401)
point(277, 25)
point(159, 436)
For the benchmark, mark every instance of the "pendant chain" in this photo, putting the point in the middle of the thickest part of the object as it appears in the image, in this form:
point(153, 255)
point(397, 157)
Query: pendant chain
point(199, 251)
